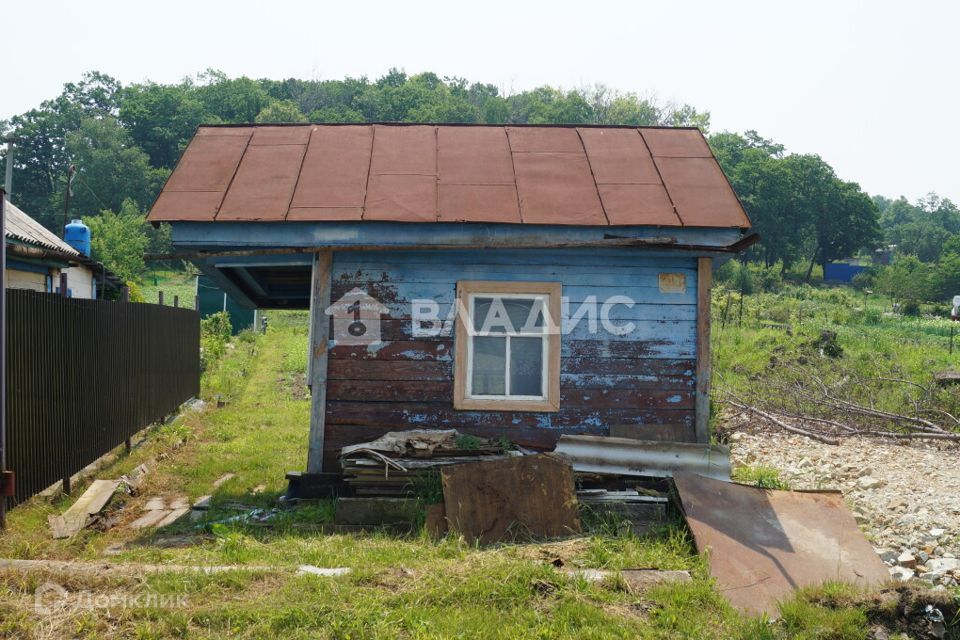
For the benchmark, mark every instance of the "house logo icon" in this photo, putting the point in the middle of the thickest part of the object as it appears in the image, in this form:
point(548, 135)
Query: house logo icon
point(356, 318)
point(49, 597)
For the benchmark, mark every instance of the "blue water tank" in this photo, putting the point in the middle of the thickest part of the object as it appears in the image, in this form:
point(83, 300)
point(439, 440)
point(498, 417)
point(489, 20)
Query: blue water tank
point(77, 236)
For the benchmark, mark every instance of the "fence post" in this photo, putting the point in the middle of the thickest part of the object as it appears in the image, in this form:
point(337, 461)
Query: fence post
point(160, 298)
point(196, 303)
point(125, 294)
point(176, 302)
point(3, 358)
point(64, 291)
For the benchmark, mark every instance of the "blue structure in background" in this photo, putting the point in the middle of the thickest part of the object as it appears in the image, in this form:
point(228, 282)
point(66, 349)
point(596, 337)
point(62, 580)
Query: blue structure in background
point(213, 299)
point(841, 272)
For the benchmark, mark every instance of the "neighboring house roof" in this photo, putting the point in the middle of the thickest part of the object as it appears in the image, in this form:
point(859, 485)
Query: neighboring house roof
point(556, 175)
point(21, 227)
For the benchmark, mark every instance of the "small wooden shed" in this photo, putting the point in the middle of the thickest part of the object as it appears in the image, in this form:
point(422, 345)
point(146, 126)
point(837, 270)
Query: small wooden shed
point(515, 281)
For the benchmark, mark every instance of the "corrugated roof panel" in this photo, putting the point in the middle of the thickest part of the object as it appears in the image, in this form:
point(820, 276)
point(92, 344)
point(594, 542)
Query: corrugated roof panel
point(402, 198)
point(204, 131)
point(557, 188)
point(544, 140)
point(638, 204)
point(209, 162)
point(264, 183)
point(619, 156)
point(188, 206)
point(676, 143)
point(404, 150)
point(324, 214)
point(22, 227)
point(334, 174)
point(474, 155)
point(478, 203)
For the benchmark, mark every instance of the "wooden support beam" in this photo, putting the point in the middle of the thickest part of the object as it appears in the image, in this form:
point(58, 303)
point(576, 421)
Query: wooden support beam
point(317, 361)
point(704, 370)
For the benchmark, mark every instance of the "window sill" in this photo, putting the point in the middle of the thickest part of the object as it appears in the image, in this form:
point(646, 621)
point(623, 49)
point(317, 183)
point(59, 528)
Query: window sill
point(537, 406)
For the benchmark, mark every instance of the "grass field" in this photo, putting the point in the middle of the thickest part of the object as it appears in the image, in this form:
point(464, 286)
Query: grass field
point(408, 586)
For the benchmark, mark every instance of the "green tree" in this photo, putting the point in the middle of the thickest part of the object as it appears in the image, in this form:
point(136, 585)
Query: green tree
point(161, 119)
point(119, 240)
point(281, 111)
point(109, 169)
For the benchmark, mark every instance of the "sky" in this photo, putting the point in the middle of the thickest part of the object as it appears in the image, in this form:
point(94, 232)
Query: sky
point(872, 87)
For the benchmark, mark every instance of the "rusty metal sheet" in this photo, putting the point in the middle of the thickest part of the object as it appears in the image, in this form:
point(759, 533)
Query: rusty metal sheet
point(402, 198)
point(478, 203)
point(559, 175)
point(544, 140)
point(619, 156)
point(700, 192)
point(209, 162)
point(763, 544)
point(557, 188)
point(474, 155)
point(522, 497)
point(629, 204)
point(676, 143)
point(409, 150)
point(264, 183)
point(333, 178)
point(280, 135)
point(186, 206)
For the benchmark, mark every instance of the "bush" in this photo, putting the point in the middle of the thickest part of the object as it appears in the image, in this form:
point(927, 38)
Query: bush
point(910, 308)
point(215, 332)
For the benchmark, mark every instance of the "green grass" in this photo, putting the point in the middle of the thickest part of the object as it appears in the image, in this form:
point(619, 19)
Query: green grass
point(408, 586)
point(172, 283)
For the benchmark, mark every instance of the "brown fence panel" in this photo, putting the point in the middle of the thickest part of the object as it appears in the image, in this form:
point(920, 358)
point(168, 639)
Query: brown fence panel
point(85, 375)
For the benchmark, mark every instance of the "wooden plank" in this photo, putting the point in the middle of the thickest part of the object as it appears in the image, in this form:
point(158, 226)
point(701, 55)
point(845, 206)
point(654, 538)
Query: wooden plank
point(655, 432)
point(75, 518)
point(524, 497)
point(319, 329)
point(704, 282)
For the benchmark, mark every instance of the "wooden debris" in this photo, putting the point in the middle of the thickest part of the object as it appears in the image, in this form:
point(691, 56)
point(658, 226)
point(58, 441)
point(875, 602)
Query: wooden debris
point(150, 519)
point(642, 579)
point(521, 497)
point(326, 572)
point(202, 503)
point(173, 516)
point(93, 500)
point(375, 511)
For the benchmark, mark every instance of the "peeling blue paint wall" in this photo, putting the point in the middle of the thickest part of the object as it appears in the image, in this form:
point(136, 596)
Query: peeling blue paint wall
point(645, 377)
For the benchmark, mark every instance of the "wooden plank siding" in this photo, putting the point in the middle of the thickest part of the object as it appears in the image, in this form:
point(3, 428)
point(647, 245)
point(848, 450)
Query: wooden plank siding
point(644, 378)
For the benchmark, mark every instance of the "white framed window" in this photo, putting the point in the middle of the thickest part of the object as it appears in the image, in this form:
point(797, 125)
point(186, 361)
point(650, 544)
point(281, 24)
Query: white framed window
point(508, 346)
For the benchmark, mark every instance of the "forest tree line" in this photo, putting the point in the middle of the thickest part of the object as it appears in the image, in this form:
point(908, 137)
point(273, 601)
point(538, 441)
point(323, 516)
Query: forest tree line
point(124, 140)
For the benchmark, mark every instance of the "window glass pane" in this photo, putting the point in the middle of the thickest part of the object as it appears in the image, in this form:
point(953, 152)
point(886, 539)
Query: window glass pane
point(526, 366)
point(489, 356)
point(520, 311)
point(481, 307)
point(507, 315)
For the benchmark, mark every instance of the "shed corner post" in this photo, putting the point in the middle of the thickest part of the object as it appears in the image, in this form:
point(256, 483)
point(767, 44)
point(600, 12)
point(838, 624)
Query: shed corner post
point(704, 369)
point(317, 362)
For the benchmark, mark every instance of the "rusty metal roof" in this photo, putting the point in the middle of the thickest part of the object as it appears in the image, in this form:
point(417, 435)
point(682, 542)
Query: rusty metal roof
point(565, 175)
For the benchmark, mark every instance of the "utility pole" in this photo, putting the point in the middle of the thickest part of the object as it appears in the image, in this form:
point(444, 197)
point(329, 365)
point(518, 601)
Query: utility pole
point(66, 199)
point(8, 172)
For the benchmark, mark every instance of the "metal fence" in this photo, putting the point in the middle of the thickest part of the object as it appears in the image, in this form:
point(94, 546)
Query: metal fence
point(83, 376)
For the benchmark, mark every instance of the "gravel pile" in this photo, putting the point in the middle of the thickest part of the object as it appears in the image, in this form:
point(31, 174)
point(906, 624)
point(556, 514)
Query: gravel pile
point(906, 497)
